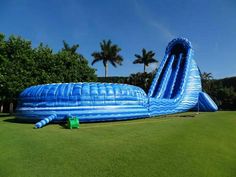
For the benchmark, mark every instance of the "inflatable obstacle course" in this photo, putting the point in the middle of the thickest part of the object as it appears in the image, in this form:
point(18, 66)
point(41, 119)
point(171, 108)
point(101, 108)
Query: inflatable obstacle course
point(176, 87)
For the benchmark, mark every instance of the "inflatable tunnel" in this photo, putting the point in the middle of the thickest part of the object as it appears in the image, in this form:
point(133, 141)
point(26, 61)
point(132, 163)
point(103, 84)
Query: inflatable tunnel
point(176, 87)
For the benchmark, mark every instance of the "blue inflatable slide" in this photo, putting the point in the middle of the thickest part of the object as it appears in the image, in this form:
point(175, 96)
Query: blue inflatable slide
point(176, 87)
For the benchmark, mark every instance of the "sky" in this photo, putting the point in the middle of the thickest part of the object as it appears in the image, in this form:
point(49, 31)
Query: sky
point(210, 25)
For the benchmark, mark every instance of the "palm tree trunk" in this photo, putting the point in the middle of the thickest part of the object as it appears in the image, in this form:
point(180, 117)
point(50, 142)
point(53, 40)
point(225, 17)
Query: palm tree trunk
point(1, 109)
point(106, 69)
point(11, 108)
point(144, 68)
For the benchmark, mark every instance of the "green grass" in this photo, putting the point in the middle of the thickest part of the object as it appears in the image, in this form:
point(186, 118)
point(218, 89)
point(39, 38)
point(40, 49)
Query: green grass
point(173, 146)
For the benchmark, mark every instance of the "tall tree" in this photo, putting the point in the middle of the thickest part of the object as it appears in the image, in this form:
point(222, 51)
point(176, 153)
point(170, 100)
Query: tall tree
point(146, 58)
point(108, 53)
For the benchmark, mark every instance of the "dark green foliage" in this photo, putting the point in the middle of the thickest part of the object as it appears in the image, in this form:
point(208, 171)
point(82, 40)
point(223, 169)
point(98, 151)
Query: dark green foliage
point(142, 80)
point(207, 82)
point(16, 67)
point(63, 66)
point(22, 66)
point(223, 91)
point(229, 82)
point(224, 96)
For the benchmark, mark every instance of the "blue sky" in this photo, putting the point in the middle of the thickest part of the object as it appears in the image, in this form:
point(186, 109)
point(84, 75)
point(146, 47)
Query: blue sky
point(132, 24)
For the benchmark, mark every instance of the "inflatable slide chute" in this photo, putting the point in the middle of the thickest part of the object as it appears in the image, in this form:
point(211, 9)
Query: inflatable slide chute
point(176, 87)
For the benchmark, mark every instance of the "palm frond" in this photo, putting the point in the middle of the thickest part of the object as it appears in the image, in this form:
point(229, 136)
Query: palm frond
point(95, 61)
point(137, 56)
point(74, 48)
point(144, 52)
point(113, 63)
point(138, 61)
point(119, 59)
point(97, 55)
point(65, 45)
point(151, 54)
point(152, 60)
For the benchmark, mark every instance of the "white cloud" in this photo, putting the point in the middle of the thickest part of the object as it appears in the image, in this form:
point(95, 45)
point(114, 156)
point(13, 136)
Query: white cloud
point(146, 16)
point(163, 29)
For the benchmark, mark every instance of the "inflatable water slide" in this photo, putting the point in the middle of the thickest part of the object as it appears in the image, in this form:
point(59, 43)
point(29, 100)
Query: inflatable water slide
point(176, 88)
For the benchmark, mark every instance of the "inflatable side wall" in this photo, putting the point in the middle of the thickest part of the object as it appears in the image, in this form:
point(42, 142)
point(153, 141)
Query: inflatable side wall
point(205, 103)
point(176, 87)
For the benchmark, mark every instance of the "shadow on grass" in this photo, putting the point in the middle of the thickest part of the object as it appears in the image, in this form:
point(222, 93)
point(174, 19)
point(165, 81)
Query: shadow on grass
point(63, 125)
point(191, 115)
point(17, 121)
point(188, 115)
point(5, 115)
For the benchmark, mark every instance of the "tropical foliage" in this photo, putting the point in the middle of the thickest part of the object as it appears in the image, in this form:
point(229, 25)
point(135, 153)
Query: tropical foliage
point(109, 54)
point(146, 58)
point(207, 82)
point(142, 80)
point(223, 91)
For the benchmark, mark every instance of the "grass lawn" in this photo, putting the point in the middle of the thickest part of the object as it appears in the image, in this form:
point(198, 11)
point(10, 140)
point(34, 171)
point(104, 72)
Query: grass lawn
point(174, 146)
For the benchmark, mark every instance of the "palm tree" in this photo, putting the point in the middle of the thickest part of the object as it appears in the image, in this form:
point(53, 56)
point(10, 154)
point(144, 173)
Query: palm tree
point(146, 58)
point(109, 53)
point(72, 49)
